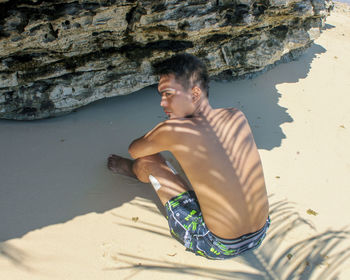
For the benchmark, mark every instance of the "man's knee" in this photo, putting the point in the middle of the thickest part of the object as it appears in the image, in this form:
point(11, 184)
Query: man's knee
point(142, 167)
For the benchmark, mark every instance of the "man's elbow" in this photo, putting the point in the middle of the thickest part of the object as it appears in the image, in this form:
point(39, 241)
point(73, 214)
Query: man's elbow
point(131, 151)
point(134, 150)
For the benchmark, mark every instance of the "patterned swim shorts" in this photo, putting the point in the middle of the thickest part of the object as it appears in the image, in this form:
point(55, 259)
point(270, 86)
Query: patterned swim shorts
point(187, 226)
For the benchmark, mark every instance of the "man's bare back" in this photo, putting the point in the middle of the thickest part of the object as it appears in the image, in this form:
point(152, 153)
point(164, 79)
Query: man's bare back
point(218, 155)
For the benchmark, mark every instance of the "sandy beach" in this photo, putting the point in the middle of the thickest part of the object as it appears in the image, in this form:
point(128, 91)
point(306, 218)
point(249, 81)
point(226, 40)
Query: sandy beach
point(63, 215)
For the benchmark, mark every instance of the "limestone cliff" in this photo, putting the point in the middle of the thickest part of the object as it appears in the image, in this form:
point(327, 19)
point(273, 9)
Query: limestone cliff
point(56, 56)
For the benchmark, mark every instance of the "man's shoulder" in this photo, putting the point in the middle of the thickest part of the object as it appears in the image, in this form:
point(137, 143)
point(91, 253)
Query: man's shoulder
point(231, 110)
point(232, 115)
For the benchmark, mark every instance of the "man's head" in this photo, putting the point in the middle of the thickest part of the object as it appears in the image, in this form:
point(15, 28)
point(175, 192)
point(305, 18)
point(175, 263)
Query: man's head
point(183, 84)
point(188, 70)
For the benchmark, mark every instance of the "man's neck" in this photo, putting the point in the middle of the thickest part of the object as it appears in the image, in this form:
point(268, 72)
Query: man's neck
point(203, 108)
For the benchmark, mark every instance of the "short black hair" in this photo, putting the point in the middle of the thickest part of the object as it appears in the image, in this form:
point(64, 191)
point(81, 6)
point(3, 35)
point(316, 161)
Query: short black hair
point(188, 69)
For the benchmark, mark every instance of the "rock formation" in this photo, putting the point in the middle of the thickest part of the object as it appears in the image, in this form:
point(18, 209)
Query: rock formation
point(56, 56)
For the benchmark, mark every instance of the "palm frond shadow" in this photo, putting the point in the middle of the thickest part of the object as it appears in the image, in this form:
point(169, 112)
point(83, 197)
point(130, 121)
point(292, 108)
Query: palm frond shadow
point(317, 255)
point(168, 266)
point(14, 255)
point(321, 255)
point(159, 209)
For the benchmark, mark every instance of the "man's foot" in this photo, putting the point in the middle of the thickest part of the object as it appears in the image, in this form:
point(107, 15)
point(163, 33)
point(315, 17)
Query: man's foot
point(120, 165)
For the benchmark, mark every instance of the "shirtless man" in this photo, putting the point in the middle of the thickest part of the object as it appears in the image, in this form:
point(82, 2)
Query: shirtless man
point(225, 210)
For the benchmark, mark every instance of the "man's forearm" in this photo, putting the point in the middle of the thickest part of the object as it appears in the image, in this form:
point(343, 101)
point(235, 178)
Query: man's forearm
point(150, 143)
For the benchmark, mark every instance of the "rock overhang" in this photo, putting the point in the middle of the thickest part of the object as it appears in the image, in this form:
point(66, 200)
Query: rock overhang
point(56, 56)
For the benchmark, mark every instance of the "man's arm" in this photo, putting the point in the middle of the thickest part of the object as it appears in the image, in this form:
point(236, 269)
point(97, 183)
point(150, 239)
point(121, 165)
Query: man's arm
point(152, 142)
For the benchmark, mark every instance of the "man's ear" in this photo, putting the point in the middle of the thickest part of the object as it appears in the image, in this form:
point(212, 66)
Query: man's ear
point(196, 94)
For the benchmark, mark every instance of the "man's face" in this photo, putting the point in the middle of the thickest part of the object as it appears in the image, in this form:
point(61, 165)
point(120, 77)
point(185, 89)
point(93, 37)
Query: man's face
point(176, 101)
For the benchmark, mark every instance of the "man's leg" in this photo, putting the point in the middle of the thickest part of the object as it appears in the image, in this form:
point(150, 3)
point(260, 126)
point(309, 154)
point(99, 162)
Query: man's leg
point(166, 183)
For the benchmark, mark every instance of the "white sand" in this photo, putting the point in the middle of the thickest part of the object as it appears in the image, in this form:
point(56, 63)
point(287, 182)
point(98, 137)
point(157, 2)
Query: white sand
point(63, 215)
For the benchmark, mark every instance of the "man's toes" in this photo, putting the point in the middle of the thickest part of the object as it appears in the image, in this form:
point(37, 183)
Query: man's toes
point(111, 157)
point(111, 163)
point(115, 157)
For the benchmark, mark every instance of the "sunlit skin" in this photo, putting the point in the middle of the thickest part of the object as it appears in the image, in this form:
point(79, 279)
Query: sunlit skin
point(217, 152)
